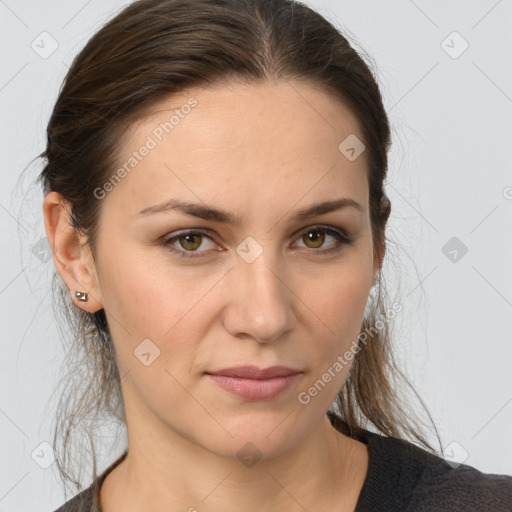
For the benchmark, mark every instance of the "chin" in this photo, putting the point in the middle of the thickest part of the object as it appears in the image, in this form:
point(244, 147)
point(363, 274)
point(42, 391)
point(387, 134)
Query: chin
point(257, 437)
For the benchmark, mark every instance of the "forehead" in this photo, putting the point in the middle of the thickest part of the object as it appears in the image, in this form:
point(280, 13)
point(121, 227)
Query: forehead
point(264, 140)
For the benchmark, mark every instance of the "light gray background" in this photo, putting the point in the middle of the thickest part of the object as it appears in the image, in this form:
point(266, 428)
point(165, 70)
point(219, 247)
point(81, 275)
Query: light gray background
point(449, 176)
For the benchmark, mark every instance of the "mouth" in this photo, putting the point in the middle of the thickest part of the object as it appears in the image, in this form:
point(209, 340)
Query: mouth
point(254, 383)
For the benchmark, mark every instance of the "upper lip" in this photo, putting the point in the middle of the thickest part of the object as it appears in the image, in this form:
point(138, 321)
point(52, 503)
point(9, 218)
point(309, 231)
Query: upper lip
point(253, 372)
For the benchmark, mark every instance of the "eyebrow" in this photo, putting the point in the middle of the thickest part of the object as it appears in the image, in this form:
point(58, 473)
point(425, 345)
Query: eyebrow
point(206, 212)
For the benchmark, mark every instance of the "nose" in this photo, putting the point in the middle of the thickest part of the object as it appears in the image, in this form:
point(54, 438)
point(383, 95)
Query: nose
point(260, 304)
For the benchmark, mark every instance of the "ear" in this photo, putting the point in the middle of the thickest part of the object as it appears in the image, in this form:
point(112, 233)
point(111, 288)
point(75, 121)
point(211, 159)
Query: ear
point(74, 263)
point(385, 210)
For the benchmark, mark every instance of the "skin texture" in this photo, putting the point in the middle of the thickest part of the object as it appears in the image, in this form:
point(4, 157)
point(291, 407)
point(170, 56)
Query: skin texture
point(260, 151)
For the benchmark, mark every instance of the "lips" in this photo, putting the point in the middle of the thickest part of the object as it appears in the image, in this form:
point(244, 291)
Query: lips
point(254, 383)
point(253, 372)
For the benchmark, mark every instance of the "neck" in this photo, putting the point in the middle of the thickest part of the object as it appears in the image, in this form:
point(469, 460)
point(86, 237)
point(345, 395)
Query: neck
point(325, 470)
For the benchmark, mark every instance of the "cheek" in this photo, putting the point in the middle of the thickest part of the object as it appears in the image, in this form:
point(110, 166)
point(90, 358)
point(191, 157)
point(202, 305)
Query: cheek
point(155, 330)
point(149, 295)
point(339, 298)
point(151, 298)
point(339, 308)
point(339, 305)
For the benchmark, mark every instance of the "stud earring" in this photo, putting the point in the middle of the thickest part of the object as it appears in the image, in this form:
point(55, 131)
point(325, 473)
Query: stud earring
point(81, 296)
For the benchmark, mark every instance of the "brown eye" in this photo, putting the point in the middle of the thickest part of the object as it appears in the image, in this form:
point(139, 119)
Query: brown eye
point(315, 237)
point(191, 241)
point(187, 244)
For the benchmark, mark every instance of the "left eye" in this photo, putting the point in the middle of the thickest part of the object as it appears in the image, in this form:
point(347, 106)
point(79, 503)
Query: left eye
point(190, 241)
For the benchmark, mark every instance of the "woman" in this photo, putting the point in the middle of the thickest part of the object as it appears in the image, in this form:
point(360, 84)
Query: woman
point(214, 202)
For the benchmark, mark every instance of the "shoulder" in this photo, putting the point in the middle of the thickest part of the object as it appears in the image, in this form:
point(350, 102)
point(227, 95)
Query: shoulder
point(420, 481)
point(444, 486)
point(88, 499)
point(82, 502)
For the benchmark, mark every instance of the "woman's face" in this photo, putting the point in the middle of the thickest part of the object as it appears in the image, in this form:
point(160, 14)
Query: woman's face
point(258, 285)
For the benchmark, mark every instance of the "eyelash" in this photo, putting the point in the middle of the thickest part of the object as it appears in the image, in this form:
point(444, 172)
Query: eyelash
point(338, 234)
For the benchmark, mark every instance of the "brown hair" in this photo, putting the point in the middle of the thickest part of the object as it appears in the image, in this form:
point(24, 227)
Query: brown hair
point(150, 50)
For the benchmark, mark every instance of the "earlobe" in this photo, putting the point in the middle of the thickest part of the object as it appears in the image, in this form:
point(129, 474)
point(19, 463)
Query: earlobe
point(72, 259)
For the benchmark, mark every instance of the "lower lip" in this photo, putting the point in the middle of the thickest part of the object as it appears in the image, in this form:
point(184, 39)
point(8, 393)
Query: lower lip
point(254, 389)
